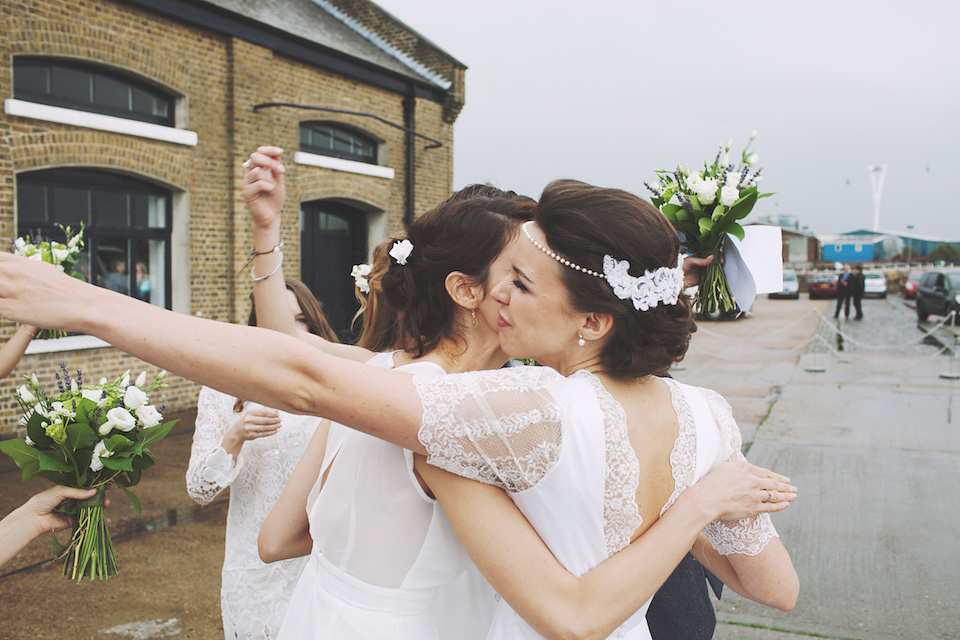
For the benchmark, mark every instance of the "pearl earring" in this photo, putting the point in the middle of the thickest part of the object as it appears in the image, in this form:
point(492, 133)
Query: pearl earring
point(581, 341)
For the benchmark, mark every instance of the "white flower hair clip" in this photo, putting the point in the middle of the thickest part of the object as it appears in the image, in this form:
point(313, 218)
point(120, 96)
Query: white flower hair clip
point(401, 251)
point(359, 274)
point(663, 284)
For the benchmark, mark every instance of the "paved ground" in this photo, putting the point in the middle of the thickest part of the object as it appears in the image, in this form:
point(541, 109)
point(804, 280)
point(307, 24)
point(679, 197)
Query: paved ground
point(871, 441)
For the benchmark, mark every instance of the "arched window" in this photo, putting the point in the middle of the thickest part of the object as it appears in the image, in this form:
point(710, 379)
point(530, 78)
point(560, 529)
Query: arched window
point(338, 141)
point(87, 87)
point(127, 222)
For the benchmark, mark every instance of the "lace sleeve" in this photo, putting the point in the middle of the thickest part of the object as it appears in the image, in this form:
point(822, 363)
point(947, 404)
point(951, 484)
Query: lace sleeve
point(750, 535)
point(500, 427)
point(211, 468)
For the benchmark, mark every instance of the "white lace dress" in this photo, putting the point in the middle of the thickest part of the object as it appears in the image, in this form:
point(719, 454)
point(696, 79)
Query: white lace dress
point(382, 549)
point(253, 595)
point(560, 448)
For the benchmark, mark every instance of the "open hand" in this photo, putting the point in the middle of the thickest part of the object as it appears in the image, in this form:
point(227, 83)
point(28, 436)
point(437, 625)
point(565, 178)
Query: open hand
point(738, 489)
point(257, 421)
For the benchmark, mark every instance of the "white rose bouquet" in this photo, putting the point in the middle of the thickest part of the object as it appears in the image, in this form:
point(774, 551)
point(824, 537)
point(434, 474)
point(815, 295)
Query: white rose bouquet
point(62, 255)
point(88, 437)
point(704, 206)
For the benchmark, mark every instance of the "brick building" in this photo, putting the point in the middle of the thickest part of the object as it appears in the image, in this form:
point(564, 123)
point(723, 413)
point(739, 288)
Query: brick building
point(134, 116)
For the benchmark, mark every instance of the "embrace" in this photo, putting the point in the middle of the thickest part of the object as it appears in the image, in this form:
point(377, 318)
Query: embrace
point(575, 487)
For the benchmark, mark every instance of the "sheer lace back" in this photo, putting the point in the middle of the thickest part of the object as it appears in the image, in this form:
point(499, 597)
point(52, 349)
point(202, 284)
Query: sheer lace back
point(499, 427)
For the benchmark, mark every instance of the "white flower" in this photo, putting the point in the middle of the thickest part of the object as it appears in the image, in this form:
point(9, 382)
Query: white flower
point(59, 255)
point(360, 273)
point(729, 195)
point(694, 179)
point(25, 394)
point(149, 416)
point(94, 395)
point(33, 380)
point(674, 200)
point(103, 381)
point(401, 251)
point(726, 159)
point(134, 397)
point(141, 379)
point(121, 419)
point(706, 190)
point(30, 443)
point(61, 411)
point(752, 159)
point(74, 241)
point(125, 380)
point(36, 256)
point(753, 134)
point(733, 179)
point(20, 245)
point(99, 451)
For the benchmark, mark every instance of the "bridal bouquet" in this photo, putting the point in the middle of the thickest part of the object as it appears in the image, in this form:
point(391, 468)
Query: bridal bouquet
point(88, 436)
point(705, 206)
point(62, 255)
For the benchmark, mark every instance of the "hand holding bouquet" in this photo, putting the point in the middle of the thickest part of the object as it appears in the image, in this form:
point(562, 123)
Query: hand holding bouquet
point(88, 437)
point(62, 255)
point(704, 206)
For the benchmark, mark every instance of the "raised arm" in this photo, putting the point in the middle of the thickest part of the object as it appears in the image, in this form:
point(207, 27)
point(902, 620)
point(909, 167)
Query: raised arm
point(13, 350)
point(556, 603)
point(287, 376)
point(264, 191)
point(286, 531)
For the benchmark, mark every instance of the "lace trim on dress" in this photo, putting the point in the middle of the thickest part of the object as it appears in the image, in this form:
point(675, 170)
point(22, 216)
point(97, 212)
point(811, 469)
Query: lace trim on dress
point(621, 516)
point(499, 427)
point(220, 469)
point(750, 535)
point(204, 483)
point(683, 457)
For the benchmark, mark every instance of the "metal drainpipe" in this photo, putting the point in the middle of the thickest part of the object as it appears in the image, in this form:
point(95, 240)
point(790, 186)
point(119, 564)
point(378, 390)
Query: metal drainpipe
point(410, 121)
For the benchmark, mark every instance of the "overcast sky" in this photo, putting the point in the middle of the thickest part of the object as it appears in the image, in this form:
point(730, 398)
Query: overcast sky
point(608, 91)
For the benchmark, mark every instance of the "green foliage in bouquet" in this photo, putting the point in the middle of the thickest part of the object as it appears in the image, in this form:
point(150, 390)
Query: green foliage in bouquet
point(88, 436)
point(63, 255)
point(705, 206)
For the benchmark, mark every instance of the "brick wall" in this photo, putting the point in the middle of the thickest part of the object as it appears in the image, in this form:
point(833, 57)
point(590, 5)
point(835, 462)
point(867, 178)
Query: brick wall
point(220, 78)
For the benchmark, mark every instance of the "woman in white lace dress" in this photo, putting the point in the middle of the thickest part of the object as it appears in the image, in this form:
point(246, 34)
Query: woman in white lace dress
point(519, 435)
point(253, 450)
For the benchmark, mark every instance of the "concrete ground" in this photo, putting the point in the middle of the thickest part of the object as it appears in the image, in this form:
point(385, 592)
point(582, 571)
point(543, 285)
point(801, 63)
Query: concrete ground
point(870, 441)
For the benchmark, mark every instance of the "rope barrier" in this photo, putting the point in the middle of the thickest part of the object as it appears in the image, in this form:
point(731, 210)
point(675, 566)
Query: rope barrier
point(825, 321)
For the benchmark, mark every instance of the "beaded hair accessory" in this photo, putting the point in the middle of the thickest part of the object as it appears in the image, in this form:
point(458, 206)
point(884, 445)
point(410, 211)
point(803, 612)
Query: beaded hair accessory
point(663, 284)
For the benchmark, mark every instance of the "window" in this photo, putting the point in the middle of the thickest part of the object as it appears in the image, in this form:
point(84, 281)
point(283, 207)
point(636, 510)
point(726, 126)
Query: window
point(328, 139)
point(858, 248)
point(838, 247)
point(75, 85)
point(127, 222)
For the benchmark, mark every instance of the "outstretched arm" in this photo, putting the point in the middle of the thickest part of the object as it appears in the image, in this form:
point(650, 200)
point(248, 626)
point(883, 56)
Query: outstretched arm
point(558, 604)
point(35, 517)
point(264, 191)
point(287, 376)
point(11, 352)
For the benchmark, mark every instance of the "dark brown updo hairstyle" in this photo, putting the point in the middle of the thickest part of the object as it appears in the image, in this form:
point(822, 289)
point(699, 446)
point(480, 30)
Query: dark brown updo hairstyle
point(313, 317)
point(380, 326)
point(464, 233)
point(583, 223)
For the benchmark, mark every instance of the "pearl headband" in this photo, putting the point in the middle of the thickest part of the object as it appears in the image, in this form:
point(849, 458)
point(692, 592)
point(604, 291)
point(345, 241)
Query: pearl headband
point(663, 284)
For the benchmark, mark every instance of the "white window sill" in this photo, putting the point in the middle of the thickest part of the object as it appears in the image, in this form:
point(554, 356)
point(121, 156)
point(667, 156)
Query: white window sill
point(14, 107)
point(70, 343)
point(350, 166)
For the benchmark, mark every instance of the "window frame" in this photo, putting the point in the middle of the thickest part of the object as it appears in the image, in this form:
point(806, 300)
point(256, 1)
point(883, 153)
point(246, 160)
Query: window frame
point(337, 127)
point(131, 82)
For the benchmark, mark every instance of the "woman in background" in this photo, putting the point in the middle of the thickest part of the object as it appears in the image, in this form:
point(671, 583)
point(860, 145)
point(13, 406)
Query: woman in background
point(252, 449)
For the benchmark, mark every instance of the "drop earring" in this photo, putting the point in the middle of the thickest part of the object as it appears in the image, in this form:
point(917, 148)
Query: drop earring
point(581, 341)
point(473, 314)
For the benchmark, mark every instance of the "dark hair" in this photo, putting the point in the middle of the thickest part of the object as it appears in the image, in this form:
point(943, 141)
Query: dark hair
point(465, 233)
point(380, 324)
point(583, 223)
point(312, 314)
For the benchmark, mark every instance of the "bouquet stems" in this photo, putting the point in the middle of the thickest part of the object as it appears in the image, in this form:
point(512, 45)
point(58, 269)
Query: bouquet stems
point(713, 294)
point(90, 550)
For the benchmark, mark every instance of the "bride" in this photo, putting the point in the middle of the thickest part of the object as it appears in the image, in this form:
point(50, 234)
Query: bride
point(589, 458)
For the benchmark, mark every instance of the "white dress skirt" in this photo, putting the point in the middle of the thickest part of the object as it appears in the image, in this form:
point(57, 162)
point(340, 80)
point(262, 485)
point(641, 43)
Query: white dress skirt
point(382, 550)
point(560, 448)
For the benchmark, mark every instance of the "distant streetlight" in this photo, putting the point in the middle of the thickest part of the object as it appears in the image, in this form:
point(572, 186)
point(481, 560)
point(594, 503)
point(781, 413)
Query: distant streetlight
point(877, 171)
point(909, 245)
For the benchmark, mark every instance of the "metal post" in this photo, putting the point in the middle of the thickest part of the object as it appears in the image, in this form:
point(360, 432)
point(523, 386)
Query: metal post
point(815, 368)
point(953, 325)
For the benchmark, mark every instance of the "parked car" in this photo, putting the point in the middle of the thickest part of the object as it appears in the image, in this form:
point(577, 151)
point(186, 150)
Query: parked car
point(822, 285)
point(938, 293)
point(791, 286)
point(874, 284)
point(910, 284)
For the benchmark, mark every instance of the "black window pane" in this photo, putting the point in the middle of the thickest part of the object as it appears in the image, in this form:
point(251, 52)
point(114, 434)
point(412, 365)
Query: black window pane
point(70, 206)
point(111, 93)
point(112, 209)
point(112, 260)
point(31, 204)
point(32, 79)
point(149, 105)
point(71, 84)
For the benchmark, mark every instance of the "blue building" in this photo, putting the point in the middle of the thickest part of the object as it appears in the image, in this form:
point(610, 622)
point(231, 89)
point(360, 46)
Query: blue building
point(860, 246)
point(912, 245)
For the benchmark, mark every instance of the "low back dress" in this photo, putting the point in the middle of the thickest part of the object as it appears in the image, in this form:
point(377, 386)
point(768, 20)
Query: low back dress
point(382, 548)
point(560, 448)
